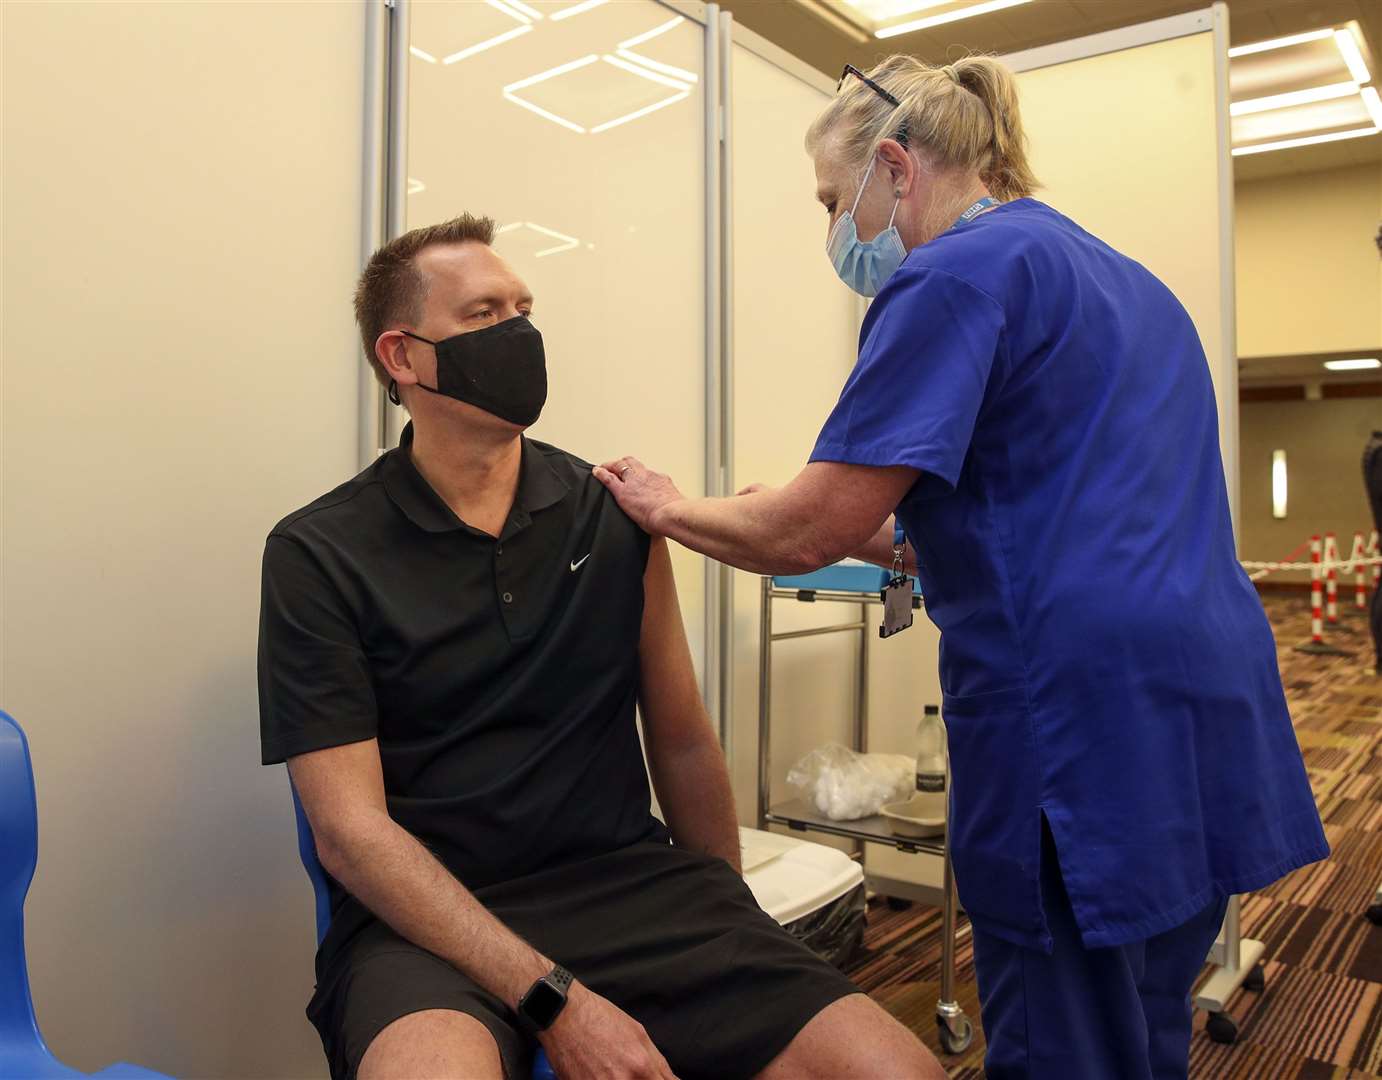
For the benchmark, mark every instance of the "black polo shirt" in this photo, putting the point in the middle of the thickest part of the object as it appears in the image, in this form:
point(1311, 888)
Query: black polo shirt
point(499, 676)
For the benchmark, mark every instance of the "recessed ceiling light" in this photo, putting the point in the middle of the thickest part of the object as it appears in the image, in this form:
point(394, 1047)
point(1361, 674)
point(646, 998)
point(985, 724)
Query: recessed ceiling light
point(1280, 43)
point(1305, 140)
point(1360, 364)
point(1294, 97)
point(946, 17)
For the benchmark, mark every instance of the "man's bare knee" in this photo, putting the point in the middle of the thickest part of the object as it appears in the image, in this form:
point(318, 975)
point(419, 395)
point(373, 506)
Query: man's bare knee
point(435, 1044)
point(855, 1038)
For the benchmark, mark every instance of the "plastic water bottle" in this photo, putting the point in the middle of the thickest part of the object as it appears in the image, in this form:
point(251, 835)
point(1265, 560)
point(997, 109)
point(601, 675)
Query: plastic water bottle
point(930, 797)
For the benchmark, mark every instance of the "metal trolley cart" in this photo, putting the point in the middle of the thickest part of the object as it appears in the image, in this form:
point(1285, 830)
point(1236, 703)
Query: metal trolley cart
point(858, 585)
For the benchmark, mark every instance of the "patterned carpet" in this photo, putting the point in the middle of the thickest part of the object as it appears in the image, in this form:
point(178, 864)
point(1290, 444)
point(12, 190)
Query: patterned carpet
point(1320, 1016)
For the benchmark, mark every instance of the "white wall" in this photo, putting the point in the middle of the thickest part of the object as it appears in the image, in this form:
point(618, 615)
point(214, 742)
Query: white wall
point(181, 203)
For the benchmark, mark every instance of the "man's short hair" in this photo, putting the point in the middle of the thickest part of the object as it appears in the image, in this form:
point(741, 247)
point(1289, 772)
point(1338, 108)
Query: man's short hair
point(393, 289)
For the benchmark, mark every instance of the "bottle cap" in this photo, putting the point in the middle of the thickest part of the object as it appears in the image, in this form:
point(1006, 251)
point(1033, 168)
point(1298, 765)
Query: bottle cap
point(931, 710)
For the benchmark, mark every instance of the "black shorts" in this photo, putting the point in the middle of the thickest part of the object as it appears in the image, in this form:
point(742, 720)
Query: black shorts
point(674, 939)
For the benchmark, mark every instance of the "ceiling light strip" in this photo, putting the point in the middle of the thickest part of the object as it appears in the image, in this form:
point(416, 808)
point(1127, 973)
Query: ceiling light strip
point(640, 113)
point(577, 9)
point(1307, 140)
point(947, 17)
point(552, 73)
point(1361, 364)
point(1294, 97)
point(658, 65)
point(1353, 56)
point(656, 31)
point(518, 5)
point(422, 55)
point(1372, 103)
point(508, 35)
point(651, 76)
point(544, 113)
point(1279, 43)
point(511, 12)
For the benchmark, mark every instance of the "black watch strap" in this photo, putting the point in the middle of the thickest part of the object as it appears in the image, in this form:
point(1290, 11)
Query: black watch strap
point(539, 1008)
point(561, 979)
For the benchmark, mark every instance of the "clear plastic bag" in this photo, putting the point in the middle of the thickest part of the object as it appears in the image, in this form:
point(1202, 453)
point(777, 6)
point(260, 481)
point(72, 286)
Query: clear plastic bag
point(844, 785)
point(834, 932)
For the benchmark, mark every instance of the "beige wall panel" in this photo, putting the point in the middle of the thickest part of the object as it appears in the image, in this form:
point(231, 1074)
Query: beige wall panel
point(181, 208)
point(1324, 443)
point(1309, 276)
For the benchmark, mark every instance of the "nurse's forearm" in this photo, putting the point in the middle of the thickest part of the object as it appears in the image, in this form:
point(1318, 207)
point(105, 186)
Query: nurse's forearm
point(760, 533)
point(879, 550)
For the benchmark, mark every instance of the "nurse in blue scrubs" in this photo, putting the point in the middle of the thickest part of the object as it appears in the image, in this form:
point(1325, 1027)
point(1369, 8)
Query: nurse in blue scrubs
point(1031, 425)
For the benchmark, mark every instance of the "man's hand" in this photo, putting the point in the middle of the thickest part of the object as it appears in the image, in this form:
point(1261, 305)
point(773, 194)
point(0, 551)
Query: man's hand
point(640, 492)
point(592, 1039)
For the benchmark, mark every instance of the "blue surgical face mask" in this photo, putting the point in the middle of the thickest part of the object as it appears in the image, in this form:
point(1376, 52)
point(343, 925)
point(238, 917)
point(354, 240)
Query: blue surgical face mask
point(864, 267)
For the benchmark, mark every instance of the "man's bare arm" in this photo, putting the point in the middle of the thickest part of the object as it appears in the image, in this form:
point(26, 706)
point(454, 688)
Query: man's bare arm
point(391, 873)
point(684, 755)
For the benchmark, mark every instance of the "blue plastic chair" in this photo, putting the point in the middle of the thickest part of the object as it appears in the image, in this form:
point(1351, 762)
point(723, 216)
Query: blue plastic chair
point(23, 1053)
point(307, 849)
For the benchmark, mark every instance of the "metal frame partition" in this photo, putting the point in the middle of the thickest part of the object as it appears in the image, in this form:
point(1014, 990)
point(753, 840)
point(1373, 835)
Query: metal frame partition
point(384, 216)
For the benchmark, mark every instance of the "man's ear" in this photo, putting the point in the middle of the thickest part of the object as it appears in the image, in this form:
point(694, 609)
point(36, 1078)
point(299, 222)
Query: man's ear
point(392, 350)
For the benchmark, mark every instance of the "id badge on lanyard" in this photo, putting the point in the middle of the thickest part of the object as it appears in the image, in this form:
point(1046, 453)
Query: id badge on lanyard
point(897, 593)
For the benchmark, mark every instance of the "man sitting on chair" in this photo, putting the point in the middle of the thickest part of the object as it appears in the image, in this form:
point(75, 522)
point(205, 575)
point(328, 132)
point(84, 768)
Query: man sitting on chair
point(452, 646)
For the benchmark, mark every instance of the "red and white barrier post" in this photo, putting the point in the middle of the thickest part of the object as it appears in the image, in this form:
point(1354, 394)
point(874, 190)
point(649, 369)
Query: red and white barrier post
point(1322, 578)
point(1331, 585)
point(1360, 578)
point(1316, 595)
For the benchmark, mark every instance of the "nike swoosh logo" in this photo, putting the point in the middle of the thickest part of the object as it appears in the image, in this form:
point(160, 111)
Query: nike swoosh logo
point(577, 564)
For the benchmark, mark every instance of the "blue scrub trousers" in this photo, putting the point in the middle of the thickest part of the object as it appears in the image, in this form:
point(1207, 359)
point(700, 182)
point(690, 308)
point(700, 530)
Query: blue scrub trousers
point(1120, 1013)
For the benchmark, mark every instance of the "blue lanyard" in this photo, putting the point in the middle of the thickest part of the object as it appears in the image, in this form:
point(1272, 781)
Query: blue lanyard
point(975, 210)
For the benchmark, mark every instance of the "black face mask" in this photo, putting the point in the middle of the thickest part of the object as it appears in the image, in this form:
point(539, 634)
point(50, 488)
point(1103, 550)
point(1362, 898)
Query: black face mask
point(501, 369)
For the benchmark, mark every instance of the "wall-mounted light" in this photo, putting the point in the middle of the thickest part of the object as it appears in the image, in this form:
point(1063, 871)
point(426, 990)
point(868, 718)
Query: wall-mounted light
point(1278, 483)
point(1362, 363)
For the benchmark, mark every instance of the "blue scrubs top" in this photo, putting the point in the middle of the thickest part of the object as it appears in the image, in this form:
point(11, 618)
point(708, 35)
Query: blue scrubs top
point(1104, 659)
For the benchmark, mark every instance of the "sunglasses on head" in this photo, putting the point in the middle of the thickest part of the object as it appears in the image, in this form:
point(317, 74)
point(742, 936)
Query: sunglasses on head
point(849, 70)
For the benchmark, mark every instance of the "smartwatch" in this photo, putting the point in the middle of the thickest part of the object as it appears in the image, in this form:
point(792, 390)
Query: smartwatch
point(539, 1008)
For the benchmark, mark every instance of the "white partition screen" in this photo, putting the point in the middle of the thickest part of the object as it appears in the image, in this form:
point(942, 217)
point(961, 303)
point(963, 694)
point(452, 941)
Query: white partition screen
point(795, 340)
point(580, 131)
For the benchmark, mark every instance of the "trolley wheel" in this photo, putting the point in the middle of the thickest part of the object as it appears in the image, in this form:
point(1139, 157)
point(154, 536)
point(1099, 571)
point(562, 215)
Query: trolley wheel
point(952, 1042)
point(1375, 913)
point(898, 903)
point(1256, 980)
point(1222, 1028)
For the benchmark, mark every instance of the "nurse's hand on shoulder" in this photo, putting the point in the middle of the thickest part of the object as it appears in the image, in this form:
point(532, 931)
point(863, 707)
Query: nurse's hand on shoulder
point(593, 1039)
point(640, 492)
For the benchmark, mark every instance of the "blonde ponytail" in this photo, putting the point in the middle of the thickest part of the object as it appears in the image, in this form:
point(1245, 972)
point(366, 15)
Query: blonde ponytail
point(961, 115)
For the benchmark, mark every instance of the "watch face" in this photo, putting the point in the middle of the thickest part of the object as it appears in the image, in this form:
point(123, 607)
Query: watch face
point(542, 1004)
